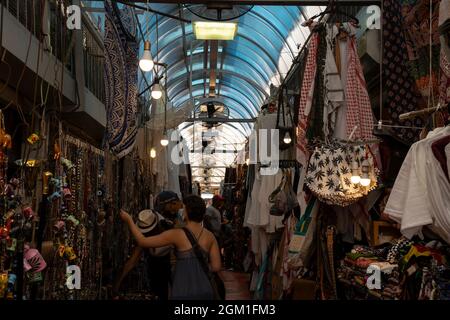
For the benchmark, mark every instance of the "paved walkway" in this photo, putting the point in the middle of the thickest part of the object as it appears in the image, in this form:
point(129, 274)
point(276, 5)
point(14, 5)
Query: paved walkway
point(236, 285)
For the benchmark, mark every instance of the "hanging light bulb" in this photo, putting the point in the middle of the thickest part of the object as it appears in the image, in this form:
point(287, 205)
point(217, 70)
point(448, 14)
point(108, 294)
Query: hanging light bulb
point(146, 63)
point(287, 138)
point(247, 161)
point(365, 178)
point(164, 140)
point(152, 153)
point(156, 90)
point(355, 178)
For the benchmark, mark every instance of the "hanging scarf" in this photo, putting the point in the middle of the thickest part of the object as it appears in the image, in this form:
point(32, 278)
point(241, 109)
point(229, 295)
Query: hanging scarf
point(315, 123)
point(306, 97)
point(400, 93)
point(416, 23)
point(359, 110)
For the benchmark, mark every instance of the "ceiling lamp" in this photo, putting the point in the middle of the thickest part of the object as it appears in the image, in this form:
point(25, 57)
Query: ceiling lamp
point(156, 90)
point(208, 30)
point(146, 63)
point(164, 140)
point(152, 153)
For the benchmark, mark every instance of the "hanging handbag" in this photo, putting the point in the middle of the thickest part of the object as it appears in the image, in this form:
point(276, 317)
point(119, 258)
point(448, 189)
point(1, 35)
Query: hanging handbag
point(283, 198)
point(302, 237)
point(278, 199)
point(287, 125)
point(216, 282)
point(330, 170)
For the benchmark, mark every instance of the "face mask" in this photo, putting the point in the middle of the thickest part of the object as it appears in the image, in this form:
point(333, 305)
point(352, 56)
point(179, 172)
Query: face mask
point(180, 215)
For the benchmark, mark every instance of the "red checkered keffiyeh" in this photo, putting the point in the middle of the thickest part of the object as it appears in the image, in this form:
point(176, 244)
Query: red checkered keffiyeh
point(306, 95)
point(359, 110)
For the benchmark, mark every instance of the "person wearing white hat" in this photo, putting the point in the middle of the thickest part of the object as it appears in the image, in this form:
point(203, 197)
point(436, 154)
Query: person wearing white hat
point(149, 224)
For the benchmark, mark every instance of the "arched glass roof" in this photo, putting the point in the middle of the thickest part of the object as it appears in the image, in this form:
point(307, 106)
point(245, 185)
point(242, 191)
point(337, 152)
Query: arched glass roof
point(267, 41)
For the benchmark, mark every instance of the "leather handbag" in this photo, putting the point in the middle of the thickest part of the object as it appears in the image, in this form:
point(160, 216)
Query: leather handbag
point(215, 280)
point(278, 198)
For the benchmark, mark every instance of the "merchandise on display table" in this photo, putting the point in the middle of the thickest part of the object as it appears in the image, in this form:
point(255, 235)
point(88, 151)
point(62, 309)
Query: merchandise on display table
point(408, 270)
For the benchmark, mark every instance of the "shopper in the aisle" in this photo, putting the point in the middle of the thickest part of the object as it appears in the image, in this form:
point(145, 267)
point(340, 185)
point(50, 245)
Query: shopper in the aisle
point(190, 281)
point(167, 203)
point(150, 224)
point(213, 217)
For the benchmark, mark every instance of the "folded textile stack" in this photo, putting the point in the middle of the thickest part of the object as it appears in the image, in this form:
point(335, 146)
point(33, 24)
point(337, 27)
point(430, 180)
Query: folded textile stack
point(404, 265)
point(354, 268)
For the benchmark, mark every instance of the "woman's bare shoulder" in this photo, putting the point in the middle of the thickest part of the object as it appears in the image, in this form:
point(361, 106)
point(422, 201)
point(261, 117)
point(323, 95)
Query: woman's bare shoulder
point(210, 236)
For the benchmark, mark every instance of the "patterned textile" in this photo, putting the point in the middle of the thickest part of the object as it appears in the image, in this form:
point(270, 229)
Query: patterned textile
point(120, 78)
point(416, 22)
point(329, 173)
point(444, 97)
point(359, 110)
point(316, 115)
point(306, 96)
point(400, 93)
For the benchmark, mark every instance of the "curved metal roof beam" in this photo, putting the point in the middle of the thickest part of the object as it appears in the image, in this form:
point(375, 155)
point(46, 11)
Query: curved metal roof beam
point(250, 103)
point(286, 27)
point(195, 73)
point(272, 27)
point(227, 82)
point(261, 48)
point(236, 107)
point(223, 100)
point(251, 112)
point(189, 124)
point(242, 129)
point(162, 54)
point(177, 67)
point(231, 104)
point(243, 35)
